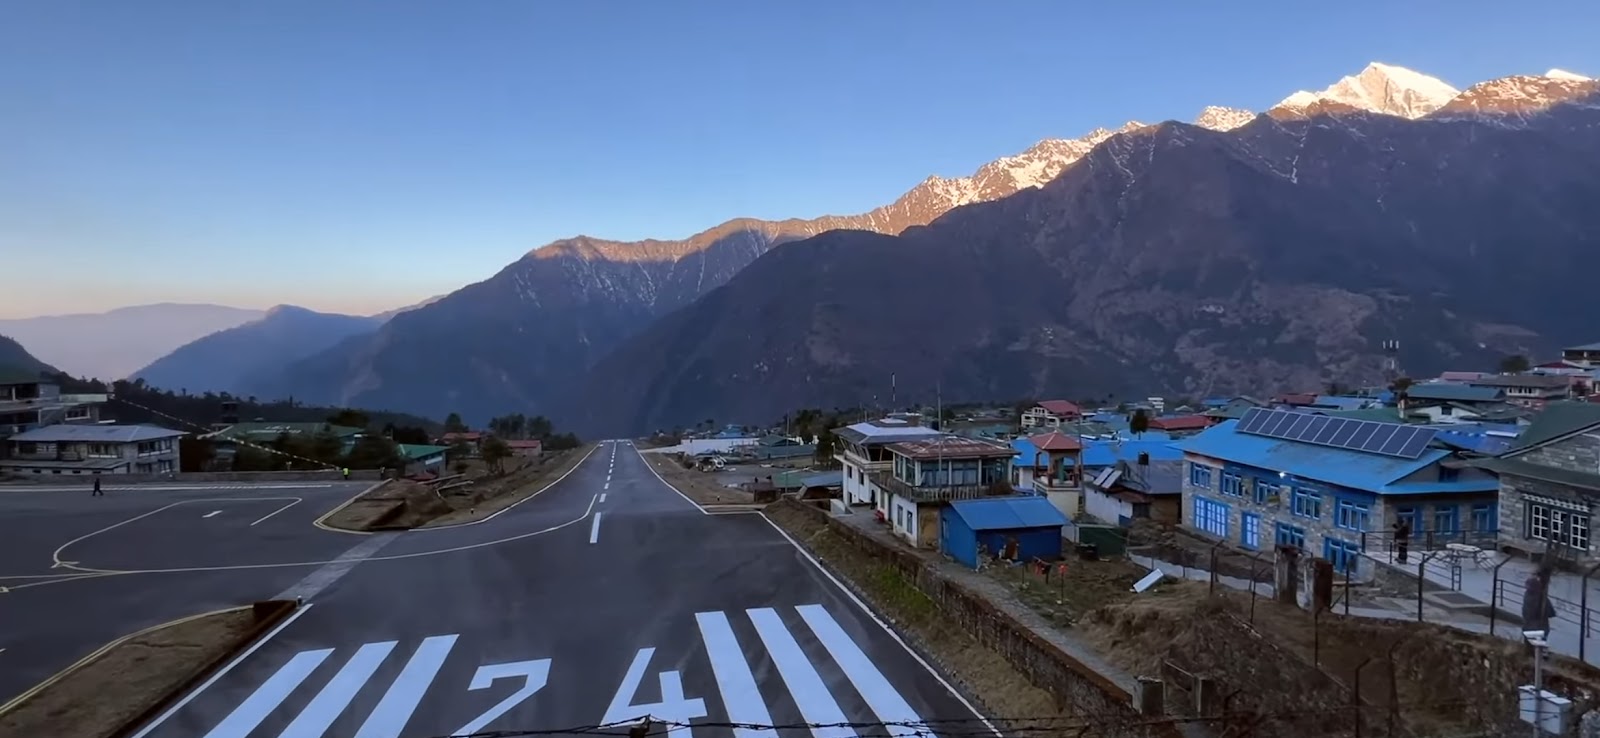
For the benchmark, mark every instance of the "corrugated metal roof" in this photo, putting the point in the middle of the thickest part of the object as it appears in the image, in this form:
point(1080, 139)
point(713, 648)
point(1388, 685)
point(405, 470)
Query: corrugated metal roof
point(823, 479)
point(96, 434)
point(1556, 420)
point(944, 446)
point(1584, 347)
point(416, 451)
point(1106, 453)
point(1541, 381)
point(1008, 513)
point(1451, 391)
point(1353, 469)
point(874, 432)
point(1341, 403)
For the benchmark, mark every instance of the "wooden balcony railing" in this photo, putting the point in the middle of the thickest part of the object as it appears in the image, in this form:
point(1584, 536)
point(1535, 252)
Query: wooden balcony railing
point(888, 483)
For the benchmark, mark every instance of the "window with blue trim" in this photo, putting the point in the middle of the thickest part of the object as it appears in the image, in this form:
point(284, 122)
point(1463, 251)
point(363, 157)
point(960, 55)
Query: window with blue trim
point(1265, 490)
point(1199, 475)
point(1288, 535)
point(1485, 518)
point(1211, 517)
point(1344, 555)
point(1307, 504)
point(1232, 484)
point(1408, 515)
point(1351, 515)
point(1446, 518)
point(1250, 531)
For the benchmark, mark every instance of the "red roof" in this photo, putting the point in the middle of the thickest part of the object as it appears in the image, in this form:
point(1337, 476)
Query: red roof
point(1061, 407)
point(533, 443)
point(467, 436)
point(1181, 423)
point(1055, 441)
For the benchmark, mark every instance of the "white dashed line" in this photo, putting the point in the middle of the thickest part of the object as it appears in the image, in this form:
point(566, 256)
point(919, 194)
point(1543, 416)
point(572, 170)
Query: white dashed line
point(594, 530)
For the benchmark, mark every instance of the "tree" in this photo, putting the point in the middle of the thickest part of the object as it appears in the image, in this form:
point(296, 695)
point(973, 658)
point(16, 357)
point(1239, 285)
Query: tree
point(561, 442)
point(373, 452)
point(1337, 388)
point(825, 447)
point(410, 435)
point(195, 454)
point(1514, 364)
point(325, 447)
point(495, 452)
point(1401, 384)
point(458, 451)
point(349, 418)
point(1139, 422)
point(453, 424)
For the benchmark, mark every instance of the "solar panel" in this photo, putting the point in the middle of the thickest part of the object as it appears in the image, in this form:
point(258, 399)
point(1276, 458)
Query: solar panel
point(1389, 439)
point(1326, 431)
point(1379, 437)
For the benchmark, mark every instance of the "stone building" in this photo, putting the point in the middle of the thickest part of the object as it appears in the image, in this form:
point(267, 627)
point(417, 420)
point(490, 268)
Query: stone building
point(1550, 485)
point(1333, 487)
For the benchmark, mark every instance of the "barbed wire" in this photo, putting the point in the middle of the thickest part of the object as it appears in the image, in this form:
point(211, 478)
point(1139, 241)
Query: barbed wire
point(966, 727)
point(205, 430)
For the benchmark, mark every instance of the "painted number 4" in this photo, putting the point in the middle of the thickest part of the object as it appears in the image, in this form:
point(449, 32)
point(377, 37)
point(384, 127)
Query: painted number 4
point(672, 707)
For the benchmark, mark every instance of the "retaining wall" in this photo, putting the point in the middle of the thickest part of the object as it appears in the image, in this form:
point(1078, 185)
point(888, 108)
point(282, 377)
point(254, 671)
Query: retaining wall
point(1072, 683)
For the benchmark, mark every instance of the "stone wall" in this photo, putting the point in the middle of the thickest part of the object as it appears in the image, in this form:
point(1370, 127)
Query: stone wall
point(1581, 453)
point(1070, 681)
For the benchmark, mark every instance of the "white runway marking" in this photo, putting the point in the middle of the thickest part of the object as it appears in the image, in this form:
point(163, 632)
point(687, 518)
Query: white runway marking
point(247, 716)
point(594, 530)
point(318, 716)
point(389, 718)
point(732, 670)
point(279, 510)
point(885, 702)
point(810, 693)
point(212, 514)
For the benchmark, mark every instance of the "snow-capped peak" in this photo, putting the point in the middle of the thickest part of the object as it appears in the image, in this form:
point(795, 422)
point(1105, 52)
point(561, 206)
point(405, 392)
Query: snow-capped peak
point(1566, 75)
point(1381, 88)
point(1218, 118)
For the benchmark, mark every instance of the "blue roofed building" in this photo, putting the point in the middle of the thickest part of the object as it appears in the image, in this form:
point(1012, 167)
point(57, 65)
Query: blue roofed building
point(1010, 528)
point(1451, 392)
point(1333, 487)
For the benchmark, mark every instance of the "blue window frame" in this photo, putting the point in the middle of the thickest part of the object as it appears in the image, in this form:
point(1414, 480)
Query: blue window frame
point(1408, 515)
point(1351, 515)
point(1265, 490)
point(1232, 484)
point(1211, 517)
point(1485, 518)
point(1250, 531)
point(1307, 504)
point(1199, 475)
point(1288, 535)
point(1344, 555)
point(1446, 518)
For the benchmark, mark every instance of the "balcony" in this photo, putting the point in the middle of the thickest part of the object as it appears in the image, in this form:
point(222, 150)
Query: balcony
point(888, 483)
point(865, 464)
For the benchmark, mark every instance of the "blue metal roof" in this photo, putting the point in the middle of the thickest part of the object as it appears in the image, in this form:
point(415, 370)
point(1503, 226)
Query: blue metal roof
point(1028, 456)
point(823, 479)
point(1341, 403)
point(1475, 440)
point(1106, 453)
point(1008, 513)
point(1353, 469)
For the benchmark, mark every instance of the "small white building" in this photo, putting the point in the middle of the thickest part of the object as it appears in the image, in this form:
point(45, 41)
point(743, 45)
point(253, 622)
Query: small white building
point(93, 449)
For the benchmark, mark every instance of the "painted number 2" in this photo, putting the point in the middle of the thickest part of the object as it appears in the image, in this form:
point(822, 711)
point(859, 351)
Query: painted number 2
point(535, 674)
point(672, 707)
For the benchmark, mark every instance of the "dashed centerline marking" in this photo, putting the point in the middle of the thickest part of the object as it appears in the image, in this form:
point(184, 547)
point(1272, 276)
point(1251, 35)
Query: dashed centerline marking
point(602, 497)
point(212, 514)
point(594, 530)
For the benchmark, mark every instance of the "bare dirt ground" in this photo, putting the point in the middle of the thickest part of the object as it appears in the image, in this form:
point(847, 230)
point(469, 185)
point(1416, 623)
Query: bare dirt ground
point(402, 503)
point(705, 488)
point(99, 698)
point(1172, 544)
point(1064, 592)
point(979, 671)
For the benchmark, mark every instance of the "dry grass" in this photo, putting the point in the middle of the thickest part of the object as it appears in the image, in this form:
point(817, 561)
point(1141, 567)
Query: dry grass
point(1067, 590)
point(704, 488)
point(980, 671)
point(97, 699)
point(403, 504)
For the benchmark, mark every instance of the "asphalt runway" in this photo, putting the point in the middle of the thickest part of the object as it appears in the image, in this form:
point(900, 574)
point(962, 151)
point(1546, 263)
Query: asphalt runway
point(55, 604)
point(606, 597)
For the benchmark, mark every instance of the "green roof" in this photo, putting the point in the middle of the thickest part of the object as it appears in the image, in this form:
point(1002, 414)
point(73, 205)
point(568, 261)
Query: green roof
point(415, 451)
point(268, 431)
point(1379, 414)
point(1556, 420)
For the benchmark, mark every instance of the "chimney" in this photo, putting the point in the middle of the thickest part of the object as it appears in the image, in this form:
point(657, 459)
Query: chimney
point(1144, 458)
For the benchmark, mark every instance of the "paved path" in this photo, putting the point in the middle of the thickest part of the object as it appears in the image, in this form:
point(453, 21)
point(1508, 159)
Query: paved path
point(606, 597)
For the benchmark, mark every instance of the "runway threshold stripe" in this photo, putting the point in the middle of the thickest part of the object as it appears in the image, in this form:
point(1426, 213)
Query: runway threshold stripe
point(881, 696)
point(255, 708)
point(810, 694)
point(395, 709)
point(738, 686)
point(319, 714)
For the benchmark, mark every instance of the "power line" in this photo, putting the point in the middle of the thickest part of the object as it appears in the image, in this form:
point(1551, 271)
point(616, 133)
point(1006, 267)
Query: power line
point(204, 430)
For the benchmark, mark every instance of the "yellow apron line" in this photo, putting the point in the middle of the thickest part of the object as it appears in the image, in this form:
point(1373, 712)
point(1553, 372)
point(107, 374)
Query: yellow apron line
point(80, 663)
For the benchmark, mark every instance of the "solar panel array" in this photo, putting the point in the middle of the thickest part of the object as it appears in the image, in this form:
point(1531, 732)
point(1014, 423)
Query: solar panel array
point(1389, 439)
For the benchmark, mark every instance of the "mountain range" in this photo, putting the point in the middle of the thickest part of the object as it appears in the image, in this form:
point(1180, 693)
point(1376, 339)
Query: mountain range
point(246, 356)
point(116, 343)
point(14, 359)
point(1243, 251)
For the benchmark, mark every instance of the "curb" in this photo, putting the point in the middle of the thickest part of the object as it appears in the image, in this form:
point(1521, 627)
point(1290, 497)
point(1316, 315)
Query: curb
point(322, 522)
point(268, 614)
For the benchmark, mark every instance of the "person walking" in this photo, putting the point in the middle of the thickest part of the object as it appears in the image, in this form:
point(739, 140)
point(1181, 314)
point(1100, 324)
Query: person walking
point(97, 492)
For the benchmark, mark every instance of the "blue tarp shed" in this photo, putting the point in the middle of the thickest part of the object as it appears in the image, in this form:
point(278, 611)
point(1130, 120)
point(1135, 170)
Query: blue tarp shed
point(1032, 522)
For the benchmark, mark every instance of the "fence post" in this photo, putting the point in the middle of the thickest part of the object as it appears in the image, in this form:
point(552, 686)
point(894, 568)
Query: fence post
point(1350, 566)
point(1422, 579)
point(1494, 595)
point(1355, 693)
point(1583, 615)
point(1316, 637)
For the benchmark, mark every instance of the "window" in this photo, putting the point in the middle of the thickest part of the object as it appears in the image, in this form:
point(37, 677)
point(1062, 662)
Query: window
point(1307, 504)
point(1558, 526)
point(1250, 531)
point(1266, 491)
point(1344, 555)
point(1484, 518)
point(1211, 517)
point(1232, 484)
point(1351, 515)
point(1446, 519)
point(1199, 475)
point(1289, 535)
point(1448, 473)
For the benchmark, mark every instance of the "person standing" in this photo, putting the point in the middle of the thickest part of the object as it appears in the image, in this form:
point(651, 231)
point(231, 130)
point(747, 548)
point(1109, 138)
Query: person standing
point(1402, 539)
point(97, 492)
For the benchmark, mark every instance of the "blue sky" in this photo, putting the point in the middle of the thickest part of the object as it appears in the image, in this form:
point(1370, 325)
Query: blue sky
point(360, 155)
